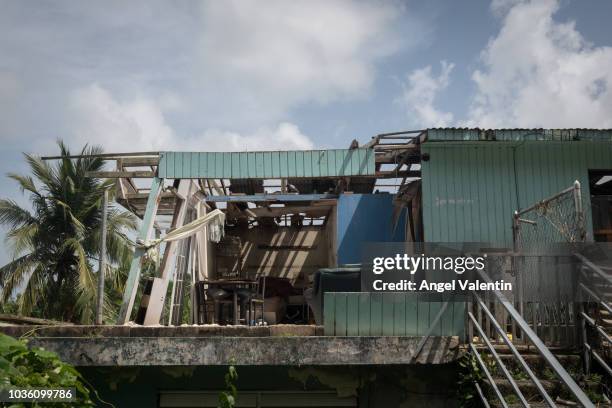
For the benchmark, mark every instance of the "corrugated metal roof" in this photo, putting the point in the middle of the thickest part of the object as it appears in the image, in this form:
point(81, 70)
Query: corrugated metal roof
point(267, 165)
point(476, 134)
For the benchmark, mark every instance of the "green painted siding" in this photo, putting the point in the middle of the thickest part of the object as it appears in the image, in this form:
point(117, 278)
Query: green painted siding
point(470, 190)
point(262, 165)
point(518, 135)
point(389, 314)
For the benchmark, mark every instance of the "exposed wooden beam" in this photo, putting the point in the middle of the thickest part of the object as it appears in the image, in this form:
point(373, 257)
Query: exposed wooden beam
point(398, 174)
point(120, 174)
point(144, 196)
point(106, 156)
point(139, 161)
point(278, 211)
point(271, 197)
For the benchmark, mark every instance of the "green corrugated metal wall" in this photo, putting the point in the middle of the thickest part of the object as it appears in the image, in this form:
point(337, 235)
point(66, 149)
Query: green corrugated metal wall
point(390, 314)
point(471, 189)
point(518, 135)
point(259, 165)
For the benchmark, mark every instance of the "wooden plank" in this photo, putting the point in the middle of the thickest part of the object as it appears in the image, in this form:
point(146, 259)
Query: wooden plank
point(144, 196)
point(139, 161)
point(352, 309)
point(364, 314)
point(277, 211)
point(23, 320)
point(271, 197)
point(121, 174)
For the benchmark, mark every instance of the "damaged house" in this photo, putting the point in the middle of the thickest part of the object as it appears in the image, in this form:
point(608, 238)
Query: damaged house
point(255, 259)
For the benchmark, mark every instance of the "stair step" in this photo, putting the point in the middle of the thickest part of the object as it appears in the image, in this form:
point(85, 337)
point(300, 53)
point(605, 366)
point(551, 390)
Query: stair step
point(553, 387)
point(525, 349)
point(535, 358)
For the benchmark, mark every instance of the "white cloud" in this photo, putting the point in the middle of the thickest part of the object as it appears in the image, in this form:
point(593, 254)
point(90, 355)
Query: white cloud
point(285, 136)
point(420, 91)
point(98, 118)
point(165, 71)
point(267, 57)
point(538, 72)
point(139, 124)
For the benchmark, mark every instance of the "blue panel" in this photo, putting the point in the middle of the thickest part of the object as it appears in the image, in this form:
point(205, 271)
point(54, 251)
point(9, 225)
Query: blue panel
point(365, 218)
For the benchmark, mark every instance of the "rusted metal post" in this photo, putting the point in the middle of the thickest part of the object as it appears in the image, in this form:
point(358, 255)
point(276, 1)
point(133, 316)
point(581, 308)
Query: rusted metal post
point(102, 261)
point(579, 212)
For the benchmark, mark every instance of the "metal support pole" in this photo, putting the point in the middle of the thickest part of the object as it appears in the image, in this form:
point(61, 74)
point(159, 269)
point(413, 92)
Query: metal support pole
point(102, 264)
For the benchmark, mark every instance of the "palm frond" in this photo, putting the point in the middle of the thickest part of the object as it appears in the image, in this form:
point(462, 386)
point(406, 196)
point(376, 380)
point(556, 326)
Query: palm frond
point(33, 292)
point(41, 170)
point(75, 222)
point(22, 238)
point(118, 220)
point(86, 284)
point(26, 183)
point(15, 274)
point(13, 215)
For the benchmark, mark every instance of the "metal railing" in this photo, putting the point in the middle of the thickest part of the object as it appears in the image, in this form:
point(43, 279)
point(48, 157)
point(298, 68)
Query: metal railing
point(527, 332)
point(590, 351)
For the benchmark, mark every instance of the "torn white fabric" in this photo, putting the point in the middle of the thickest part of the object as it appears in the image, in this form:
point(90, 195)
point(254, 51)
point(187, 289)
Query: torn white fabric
point(215, 220)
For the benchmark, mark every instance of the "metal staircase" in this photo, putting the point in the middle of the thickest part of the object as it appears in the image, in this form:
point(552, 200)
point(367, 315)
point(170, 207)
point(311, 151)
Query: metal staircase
point(550, 352)
point(524, 370)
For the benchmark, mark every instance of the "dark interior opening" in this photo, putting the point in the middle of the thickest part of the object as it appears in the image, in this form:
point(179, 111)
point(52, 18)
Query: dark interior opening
point(600, 185)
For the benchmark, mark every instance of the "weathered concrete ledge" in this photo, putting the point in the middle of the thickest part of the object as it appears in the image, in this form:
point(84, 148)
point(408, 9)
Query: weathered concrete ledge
point(274, 350)
point(161, 331)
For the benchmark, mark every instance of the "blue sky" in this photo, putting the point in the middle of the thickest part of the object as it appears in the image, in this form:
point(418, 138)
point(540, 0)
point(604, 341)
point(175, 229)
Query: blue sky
point(247, 75)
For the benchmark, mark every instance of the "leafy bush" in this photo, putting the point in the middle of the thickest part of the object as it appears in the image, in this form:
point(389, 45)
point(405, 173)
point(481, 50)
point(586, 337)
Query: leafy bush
point(35, 367)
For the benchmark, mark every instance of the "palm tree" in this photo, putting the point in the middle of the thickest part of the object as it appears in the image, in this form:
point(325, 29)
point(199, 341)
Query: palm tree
point(55, 245)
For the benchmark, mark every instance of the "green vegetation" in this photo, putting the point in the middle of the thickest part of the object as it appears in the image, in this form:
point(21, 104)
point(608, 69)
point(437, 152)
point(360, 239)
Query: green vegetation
point(227, 398)
point(37, 368)
point(55, 245)
point(469, 374)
